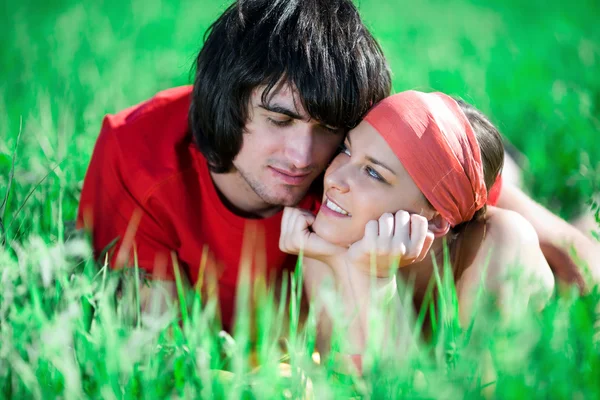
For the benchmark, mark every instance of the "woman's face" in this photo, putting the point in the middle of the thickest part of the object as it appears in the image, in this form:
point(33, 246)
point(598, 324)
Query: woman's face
point(363, 182)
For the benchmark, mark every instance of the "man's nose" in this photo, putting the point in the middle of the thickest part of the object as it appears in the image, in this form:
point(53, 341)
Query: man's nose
point(300, 145)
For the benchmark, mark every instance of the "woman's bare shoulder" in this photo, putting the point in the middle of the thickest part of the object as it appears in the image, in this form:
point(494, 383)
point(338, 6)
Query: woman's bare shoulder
point(508, 262)
point(504, 239)
point(509, 247)
point(501, 233)
point(506, 228)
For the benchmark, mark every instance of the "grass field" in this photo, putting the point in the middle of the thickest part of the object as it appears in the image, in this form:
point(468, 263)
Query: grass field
point(532, 66)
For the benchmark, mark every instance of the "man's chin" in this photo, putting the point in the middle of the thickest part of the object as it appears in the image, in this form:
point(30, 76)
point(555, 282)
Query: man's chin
point(292, 202)
point(287, 200)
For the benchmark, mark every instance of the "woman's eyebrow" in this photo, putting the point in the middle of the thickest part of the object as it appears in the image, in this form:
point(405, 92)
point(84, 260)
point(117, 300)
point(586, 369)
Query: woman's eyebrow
point(377, 162)
point(371, 159)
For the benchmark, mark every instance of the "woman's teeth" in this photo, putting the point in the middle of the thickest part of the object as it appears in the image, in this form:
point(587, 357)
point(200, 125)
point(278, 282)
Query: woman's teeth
point(332, 206)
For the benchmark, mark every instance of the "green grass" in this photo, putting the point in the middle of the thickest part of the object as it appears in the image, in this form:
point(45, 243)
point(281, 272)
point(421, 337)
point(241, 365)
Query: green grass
point(71, 328)
point(531, 66)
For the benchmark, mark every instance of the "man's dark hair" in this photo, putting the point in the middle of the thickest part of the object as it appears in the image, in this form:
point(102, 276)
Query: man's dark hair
point(320, 47)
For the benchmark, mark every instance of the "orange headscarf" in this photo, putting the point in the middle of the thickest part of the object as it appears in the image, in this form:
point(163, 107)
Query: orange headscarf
point(435, 142)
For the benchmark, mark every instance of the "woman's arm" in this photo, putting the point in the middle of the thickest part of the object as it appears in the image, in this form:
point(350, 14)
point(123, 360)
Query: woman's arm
point(348, 296)
point(509, 263)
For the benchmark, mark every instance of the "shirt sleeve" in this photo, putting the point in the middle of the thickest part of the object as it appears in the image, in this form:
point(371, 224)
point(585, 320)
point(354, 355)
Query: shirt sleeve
point(115, 214)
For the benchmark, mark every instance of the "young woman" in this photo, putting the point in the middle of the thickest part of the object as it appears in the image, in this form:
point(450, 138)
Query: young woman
point(435, 159)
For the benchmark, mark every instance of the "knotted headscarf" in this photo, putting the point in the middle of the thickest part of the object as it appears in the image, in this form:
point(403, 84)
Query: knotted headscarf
point(435, 142)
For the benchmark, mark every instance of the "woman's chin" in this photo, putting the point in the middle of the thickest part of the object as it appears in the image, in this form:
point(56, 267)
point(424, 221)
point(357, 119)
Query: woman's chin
point(331, 233)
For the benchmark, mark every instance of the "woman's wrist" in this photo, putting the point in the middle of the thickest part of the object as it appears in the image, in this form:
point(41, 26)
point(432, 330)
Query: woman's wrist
point(342, 266)
point(346, 273)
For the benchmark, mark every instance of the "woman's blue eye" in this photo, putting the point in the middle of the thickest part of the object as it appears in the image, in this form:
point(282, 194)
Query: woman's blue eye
point(374, 174)
point(369, 170)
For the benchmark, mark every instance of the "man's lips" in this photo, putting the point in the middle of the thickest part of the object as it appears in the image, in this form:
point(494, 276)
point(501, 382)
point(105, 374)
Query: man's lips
point(290, 178)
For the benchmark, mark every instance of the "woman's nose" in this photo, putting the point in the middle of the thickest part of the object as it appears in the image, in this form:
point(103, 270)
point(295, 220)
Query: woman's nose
point(336, 176)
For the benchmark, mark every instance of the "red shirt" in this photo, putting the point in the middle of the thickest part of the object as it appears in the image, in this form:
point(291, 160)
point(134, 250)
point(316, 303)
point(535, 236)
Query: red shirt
point(147, 176)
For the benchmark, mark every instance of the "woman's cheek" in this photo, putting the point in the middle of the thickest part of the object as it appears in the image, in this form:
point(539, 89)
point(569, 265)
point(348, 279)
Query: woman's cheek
point(370, 206)
point(363, 213)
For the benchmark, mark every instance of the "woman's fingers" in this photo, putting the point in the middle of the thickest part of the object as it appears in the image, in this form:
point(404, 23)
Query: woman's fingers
point(386, 225)
point(296, 236)
point(401, 234)
point(294, 226)
point(429, 237)
point(386, 232)
point(393, 238)
point(411, 239)
point(313, 245)
point(418, 234)
point(302, 221)
point(369, 241)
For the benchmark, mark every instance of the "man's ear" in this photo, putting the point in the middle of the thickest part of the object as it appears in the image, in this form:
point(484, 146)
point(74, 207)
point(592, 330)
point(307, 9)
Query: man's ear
point(439, 226)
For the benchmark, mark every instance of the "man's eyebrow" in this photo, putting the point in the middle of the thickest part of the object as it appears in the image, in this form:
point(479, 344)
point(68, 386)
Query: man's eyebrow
point(376, 162)
point(281, 110)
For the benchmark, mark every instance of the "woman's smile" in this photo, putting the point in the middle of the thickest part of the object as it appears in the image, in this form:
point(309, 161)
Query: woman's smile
point(330, 207)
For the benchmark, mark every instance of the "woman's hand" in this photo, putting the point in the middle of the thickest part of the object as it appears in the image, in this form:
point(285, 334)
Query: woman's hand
point(297, 237)
point(391, 242)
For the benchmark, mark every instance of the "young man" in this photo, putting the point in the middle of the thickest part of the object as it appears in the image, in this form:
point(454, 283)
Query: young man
point(198, 178)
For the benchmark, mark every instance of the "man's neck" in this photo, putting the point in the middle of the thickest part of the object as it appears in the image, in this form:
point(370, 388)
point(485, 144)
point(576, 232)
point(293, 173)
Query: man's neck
point(239, 198)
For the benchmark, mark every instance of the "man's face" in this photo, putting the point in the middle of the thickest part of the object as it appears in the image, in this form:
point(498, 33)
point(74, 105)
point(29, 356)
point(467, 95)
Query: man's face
point(283, 149)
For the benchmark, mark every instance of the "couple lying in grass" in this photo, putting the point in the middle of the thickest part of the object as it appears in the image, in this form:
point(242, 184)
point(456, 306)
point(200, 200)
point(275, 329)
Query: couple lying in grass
point(175, 181)
point(414, 175)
